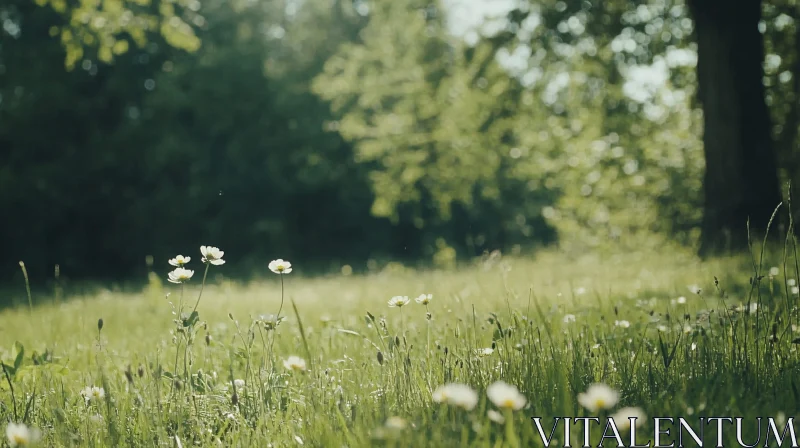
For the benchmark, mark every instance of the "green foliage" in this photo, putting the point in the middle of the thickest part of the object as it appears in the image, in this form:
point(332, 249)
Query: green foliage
point(782, 80)
point(433, 120)
point(349, 131)
point(557, 142)
point(110, 26)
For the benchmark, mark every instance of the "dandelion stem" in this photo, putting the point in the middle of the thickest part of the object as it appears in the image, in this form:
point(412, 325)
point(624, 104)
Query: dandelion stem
point(202, 286)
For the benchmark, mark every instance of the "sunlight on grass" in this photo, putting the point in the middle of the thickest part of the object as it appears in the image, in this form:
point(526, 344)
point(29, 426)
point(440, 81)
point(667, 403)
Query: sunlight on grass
point(400, 357)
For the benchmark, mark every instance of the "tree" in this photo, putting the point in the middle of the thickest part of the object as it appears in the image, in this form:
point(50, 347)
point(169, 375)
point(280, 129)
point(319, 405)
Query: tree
point(434, 120)
point(110, 26)
point(741, 179)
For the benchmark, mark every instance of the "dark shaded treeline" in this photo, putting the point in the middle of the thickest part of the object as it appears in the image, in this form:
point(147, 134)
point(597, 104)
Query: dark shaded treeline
point(163, 151)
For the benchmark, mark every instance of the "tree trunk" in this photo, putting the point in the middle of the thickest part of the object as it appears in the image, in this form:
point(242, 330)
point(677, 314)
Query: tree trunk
point(741, 179)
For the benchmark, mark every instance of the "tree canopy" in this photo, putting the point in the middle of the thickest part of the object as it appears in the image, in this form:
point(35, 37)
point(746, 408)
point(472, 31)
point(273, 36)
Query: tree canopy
point(348, 131)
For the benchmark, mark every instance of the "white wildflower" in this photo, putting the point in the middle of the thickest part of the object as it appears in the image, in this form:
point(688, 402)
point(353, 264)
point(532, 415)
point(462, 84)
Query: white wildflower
point(455, 394)
point(280, 266)
point(180, 275)
point(93, 393)
point(179, 261)
point(622, 417)
point(18, 434)
point(598, 397)
point(424, 299)
point(295, 363)
point(398, 301)
point(484, 351)
point(505, 396)
point(212, 255)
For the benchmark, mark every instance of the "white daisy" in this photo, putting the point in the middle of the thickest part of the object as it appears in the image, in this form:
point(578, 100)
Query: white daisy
point(295, 363)
point(280, 266)
point(569, 318)
point(484, 351)
point(454, 394)
point(398, 301)
point(424, 299)
point(93, 393)
point(212, 255)
point(180, 275)
point(622, 417)
point(505, 396)
point(179, 260)
point(18, 434)
point(599, 396)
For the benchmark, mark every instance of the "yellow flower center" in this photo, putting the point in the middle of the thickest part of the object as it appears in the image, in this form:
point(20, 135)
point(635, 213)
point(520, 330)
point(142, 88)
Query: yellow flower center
point(19, 439)
point(600, 403)
point(508, 403)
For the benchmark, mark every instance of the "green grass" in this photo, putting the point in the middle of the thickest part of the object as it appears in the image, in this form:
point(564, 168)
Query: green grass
point(705, 359)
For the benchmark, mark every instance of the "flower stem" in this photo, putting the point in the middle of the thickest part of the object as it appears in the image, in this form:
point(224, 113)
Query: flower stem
point(511, 436)
point(202, 286)
point(278, 316)
point(275, 328)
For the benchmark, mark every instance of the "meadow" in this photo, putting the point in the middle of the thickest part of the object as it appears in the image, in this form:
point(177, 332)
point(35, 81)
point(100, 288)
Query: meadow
point(406, 357)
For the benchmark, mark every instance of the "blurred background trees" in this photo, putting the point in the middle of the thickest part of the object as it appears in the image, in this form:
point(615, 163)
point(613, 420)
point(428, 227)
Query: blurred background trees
point(340, 131)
